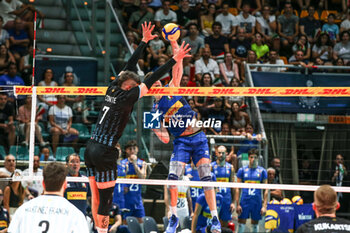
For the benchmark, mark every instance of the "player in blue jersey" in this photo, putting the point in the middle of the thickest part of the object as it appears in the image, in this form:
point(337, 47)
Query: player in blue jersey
point(135, 169)
point(251, 203)
point(224, 172)
point(190, 142)
point(101, 153)
point(118, 194)
point(192, 173)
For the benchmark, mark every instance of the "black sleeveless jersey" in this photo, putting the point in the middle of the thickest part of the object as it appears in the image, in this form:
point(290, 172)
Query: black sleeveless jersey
point(325, 225)
point(115, 114)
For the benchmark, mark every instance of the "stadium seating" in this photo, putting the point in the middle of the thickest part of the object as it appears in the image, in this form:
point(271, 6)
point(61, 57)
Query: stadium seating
point(84, 133)
point(81, 153)
point(20, 152)
point(233, 11)
point(325, 13)
point(62, 152)
point(2, 152)
point(149, 225)
point(304, 14)
point(133, 224)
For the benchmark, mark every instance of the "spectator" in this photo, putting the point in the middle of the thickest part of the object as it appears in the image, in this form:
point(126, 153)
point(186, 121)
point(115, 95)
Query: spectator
point(224, 172)
point(45, 154)
point(62, 78)
point(155, 50)
point(288, 26)
point(115, 222)
point(251, 204)
point(202, 102)
point(194, 108)
point(267, 26)
point(323, 48)
point(14, 195)
point(275, 194)
point(345, 25)
point(226, 130)
point(338, 62)
point(342, 49)
point(7, 127)
point(8, 169)
point(19, 40)
point(259, 47)
point(298, 60)
point(124, 54)
point(217, 43)
point(184, 80)
point(307, 176)
point(207, 65)
point(185, 16)
point(310, 26)
point(207, 20)
point(48, 80)
point(217, 112)
point(230, 99)
point(303, 45)
point(35, 187)
point(60, 119)
point(11, 79)
point(4, 35)
point(274, 60)
point(240, 46)
point(165, 15)
point(136, 169)
point(76, 193)
point(238, 119)
point(246, 20)
point(196, 43)
point(276, 164)
point(227, 21)
point(228, 69)
point(190, 69)
point(4, 215)
point(138, 17)
point(256, 6)
point(250, 142)
point(217, 3)
point(119, 189)
point(24, 118)
point(6, 58)
point(251, 59)
point(331, 28)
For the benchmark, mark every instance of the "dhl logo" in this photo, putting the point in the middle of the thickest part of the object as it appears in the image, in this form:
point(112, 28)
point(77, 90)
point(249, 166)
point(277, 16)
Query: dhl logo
point(223, 179)
point(23, 90)
point(188, 91)
point(328, 91)
point(181, 195)
point(3, 224)
point(92, 90)
point(252, 181)
point(259, 91)
point(224, 91)
point(132, 177)
point(173, 110)
point(158, 91)
point(297, 92)
point(76, 195)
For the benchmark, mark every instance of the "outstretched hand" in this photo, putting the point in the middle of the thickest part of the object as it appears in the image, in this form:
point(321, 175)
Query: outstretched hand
point(147, 29)
point(181, 52)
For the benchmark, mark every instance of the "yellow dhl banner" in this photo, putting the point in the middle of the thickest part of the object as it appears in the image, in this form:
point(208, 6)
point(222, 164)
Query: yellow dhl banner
point(181, 195)
point(224, 179)
point(3, 224)
point(198, 91)
point(76, 195)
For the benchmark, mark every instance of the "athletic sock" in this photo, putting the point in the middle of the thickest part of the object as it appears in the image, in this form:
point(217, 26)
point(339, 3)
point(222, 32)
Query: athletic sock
point(241, 228)
point(102, 230)
point(214, 213)
point(255, 228)
point(173, 210)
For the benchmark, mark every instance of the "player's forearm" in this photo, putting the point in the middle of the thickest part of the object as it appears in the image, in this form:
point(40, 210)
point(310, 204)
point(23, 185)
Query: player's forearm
point(131, 65)
point(159, 73)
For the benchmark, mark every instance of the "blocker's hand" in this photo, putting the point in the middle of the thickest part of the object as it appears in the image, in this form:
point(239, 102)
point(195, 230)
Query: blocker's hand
point(182, 52)
point(147, 29)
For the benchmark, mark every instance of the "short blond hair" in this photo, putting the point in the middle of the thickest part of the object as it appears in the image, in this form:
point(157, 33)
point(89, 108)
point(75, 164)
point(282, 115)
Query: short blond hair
point(325, 199)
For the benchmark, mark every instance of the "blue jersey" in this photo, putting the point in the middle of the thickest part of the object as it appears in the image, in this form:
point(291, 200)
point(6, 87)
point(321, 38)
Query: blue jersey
point(223, 174)
point(176, 113)
point(204, 218)
point(77, 194)
point(133, 198)
point(118, 194)
point(252, 175)
point(195, 191)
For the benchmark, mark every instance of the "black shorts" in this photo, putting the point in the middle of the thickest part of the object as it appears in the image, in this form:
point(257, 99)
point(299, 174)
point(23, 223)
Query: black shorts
point(101, 161)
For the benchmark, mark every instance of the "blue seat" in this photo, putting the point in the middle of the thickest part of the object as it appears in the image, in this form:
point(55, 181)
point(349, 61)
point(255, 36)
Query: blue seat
point(84, 133)
point(149, 225)
point(81, 153)
point(133, 224)
point(2, 152)
point(62, 152)
point(20, 152)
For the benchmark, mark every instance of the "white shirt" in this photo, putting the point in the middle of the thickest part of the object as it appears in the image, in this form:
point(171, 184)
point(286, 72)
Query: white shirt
point(182, 204)
point(211, 68)
point(274, 69)
point(35, 184)
point(265, 26)
point(345, 24)
point(6, 8)
point(247, 23)
point(164, 19)
point(50, 214)
point(227, 21)
point(61, 115)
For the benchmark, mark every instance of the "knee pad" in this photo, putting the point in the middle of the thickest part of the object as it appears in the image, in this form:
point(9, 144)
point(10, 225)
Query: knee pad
point(175, 170)
point(106, 197)
point(205, 174)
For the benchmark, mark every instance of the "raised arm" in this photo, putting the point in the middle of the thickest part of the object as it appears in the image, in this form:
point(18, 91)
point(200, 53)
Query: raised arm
point(177, 69)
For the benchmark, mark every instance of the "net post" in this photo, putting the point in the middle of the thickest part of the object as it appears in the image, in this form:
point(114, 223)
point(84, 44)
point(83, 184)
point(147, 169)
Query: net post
point(32, 132)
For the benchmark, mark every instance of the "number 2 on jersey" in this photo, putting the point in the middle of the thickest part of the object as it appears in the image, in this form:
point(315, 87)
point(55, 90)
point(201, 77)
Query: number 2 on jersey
point(105, 110)
point(47, 224)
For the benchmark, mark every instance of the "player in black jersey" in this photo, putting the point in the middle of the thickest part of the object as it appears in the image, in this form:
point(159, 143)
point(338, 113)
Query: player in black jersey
point(325, 205)
point(101, 153)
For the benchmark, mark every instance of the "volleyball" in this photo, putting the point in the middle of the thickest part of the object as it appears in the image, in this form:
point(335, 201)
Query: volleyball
point(286, 201)
point(297, 200)
point(272, 220)
point(274, 202)
point(171, 32)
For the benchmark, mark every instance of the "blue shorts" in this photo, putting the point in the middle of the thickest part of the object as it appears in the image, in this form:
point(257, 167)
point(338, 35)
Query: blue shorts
point(250, 209)
point(193, 146)
point(138, 213)
point(225, 213)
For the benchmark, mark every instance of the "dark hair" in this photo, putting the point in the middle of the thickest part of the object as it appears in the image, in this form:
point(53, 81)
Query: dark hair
point(331, 15)
point(253, 151)
point(126, 75)
point(1, 18)
point(192, 24)
point(43, 78)
point(74, 155)
point(4, 93)
point(343, 33)
point(130, 143)
point(201, 82)
point(336, 61)
point(245, 4)
point(10, 64)
point(216, 23)
point(318, 41)
point(273, 50)
point(306, 44)
point(54, 176)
